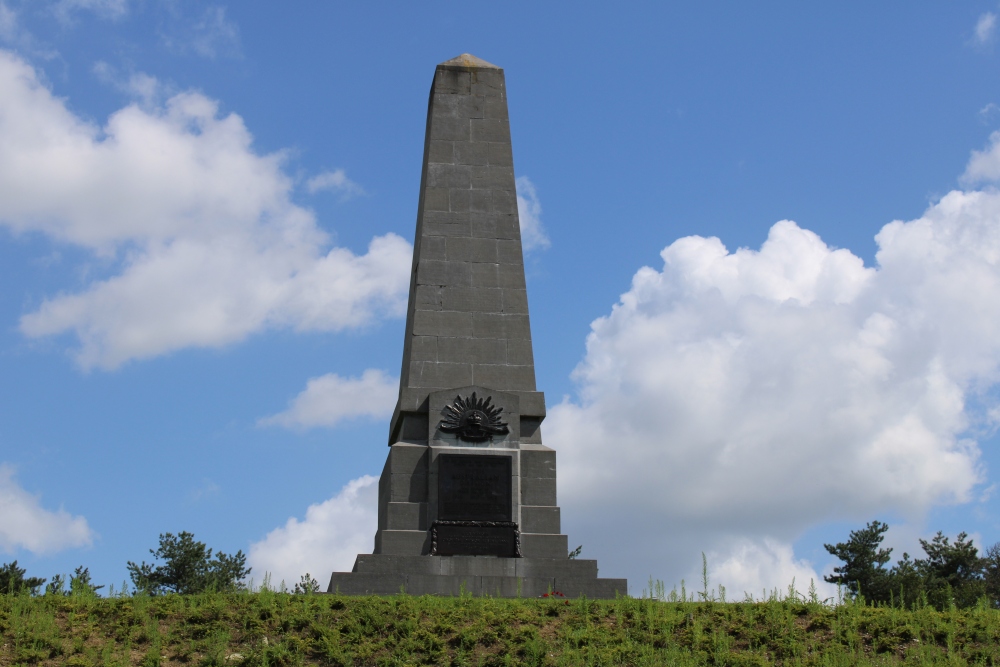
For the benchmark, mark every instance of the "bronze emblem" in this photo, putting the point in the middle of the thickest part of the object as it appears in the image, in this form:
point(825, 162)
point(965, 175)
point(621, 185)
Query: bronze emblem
point(473, 419)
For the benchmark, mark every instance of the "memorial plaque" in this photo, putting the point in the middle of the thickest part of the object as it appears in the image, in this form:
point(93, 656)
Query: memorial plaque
point(474, 488)
point(475, 538)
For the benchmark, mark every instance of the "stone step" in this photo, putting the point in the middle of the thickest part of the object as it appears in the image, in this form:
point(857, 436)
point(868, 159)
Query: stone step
point(476, 566)
point(357, 583)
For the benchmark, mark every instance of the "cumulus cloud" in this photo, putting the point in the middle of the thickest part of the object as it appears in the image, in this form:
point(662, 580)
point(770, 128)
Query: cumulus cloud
point(330, 399)
point(332, 534)
point(529, 210)
point(984, 165)
point(730, 397)
point(985, 29)
point(337, 181)
point(25, 524)
point(208, 247)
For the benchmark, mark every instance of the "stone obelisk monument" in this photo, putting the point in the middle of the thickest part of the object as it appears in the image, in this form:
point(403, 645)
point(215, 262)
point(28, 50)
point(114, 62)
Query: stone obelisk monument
point(467, 498)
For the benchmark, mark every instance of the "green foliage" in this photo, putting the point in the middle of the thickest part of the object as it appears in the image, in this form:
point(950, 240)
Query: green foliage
point(79, 584)
point(863, 571)
point(575, 552)
point(273, 628)
point(13, 581)
point(188, 567)
point(307, 585)
point(951, 574)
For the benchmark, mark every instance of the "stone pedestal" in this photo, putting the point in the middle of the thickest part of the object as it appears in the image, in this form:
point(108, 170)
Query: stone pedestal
point(467, 497)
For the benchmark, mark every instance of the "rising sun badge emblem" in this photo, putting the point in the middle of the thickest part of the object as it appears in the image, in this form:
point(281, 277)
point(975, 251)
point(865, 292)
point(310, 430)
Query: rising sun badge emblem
point(473, 419)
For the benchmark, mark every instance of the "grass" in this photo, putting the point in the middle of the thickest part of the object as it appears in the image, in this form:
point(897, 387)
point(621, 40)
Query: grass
point(277, 628)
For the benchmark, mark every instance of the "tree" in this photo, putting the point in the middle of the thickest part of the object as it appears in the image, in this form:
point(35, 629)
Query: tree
point(991, 574)
point(863, 571)
point(188, 567)
point(952, 572)
point(79, 584)
point(307, 585)
point(13, 581)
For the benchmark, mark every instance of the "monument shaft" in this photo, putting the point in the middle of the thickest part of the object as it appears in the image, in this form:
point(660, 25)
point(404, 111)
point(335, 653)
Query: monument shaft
point(467, 497)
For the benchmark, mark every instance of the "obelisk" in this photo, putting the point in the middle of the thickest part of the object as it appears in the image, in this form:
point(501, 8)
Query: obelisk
point(467, 497)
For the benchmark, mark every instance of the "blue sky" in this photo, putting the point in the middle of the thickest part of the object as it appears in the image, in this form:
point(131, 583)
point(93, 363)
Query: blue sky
point(204, 207)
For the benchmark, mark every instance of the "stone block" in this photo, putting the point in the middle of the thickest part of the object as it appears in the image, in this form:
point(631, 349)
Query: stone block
point(472, 153)
point(538, 490)
point(500, 154)
point(510, 276)
point(440, 223)
point(473, 350)
point(519, 352)
point(495, 107)
point(432, 248)
point(471, 300)
point(492, 178)
point(424, 348)
point(441, 152)
point(508, 226)
point(555, 567)
point(483, 225)
point(351, 583)
point(449, 176)
point(487, 129)
point(436, 199)
point(458, 106)
point(532, 403)
point(488, 84)
point(412, 427)
point(407, 488)
point(509, 252)
point(534, 545)
point(515, 301)
point(500, 325)
point(596, 589)
point(485, 275)
point(466, 566)
point(458, 200)
point(471, 250)
point(531, 431)
point(453, 81)
point(539, 462)
point(407, 460)
point(536, 519)
point(444, 128)
point(440, 374)
point(504, 377)
point(442, 323)
point(428, 297)
point(453, 274)
point(505, 201)
point(403, 542)
point(451, 586)
point(406, 516)
point(480, 201)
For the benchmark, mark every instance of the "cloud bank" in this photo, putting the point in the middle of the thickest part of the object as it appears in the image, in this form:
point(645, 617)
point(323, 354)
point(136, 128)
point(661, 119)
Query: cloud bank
point(330, 399)
point(730, 400)
point(206, 243)
point(25, 524)
point(332, 534)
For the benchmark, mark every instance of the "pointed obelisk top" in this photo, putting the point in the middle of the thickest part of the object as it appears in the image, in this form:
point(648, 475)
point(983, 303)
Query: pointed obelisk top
point(468, 60)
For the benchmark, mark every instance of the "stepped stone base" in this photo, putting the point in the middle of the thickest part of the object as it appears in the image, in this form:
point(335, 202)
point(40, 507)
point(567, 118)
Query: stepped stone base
point(382, 574)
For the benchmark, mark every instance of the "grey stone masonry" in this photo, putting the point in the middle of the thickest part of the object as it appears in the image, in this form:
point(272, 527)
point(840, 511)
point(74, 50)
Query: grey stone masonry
point(467, 500)
point(467, 321)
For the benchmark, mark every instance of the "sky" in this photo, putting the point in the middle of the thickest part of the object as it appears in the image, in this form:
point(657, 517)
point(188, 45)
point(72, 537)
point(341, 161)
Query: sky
point(762, 247)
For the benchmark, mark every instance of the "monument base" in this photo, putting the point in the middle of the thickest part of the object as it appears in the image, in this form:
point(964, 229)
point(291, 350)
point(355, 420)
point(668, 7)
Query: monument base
point(383, 574)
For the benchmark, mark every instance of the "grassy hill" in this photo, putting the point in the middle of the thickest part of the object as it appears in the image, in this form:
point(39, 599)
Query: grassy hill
point(273, 628)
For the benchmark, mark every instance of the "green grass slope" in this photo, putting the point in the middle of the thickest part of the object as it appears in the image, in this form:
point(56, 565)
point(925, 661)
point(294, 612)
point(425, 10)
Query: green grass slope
point(272, 628)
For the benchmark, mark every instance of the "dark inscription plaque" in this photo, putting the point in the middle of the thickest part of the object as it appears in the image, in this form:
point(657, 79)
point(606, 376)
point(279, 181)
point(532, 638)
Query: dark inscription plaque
point(474, 488)
point(475, 538)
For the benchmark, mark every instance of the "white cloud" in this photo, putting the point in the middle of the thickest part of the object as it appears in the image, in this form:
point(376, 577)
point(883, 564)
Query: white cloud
point(111, 9)
point(138, 85)
point(736, 396)
point(214, 35)
point(25, 524)
point(751, 562)
point(985, 29)
point(984, 165)
point(209, 246)
point(529, 210)
point(337, 181)
point(330, 399)
point(332, 534)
